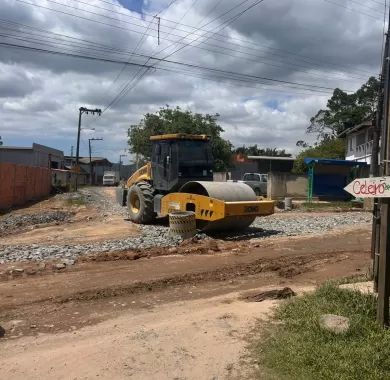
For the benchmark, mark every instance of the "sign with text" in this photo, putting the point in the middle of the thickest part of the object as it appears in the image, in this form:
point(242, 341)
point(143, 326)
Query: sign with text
point(375, 187)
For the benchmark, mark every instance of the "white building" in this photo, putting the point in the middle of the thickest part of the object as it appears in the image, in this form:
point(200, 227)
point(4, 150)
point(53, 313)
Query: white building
point(359, 142)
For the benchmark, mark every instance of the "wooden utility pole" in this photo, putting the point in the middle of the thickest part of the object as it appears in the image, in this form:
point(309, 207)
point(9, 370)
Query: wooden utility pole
point(90, 159)
point(120, 164)
point(81, 111)
point(384, 240)
point(376, 170)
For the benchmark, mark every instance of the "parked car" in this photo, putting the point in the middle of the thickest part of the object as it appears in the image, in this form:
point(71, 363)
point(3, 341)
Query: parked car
point(257, 181)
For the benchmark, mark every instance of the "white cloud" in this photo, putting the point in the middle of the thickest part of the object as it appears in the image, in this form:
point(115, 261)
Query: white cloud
point(297, 41)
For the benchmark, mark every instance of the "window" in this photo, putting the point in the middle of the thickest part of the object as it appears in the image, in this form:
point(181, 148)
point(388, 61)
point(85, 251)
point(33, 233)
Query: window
point(350, 143)
point(370, 134)
point(251, 177)
point(360, 138)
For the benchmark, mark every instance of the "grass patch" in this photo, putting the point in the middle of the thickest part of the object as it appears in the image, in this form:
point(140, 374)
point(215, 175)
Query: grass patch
point(352, 279)
point(76, 201)
point(297, 348)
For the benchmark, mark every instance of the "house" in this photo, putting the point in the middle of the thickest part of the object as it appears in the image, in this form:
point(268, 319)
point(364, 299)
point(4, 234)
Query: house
point(281, 182)
point(38, 156)
point(99, 166)
point(359, 142)
point(260, 164)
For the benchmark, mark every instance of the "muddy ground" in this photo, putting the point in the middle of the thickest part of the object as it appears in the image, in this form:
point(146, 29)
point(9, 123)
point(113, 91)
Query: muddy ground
point(160, 313)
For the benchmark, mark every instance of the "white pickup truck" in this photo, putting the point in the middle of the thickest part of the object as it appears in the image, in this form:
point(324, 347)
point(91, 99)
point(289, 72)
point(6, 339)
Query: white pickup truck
point(257, 181)
point(110, 178)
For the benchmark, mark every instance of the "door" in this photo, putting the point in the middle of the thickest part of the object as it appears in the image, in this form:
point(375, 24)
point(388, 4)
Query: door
point(164, 168)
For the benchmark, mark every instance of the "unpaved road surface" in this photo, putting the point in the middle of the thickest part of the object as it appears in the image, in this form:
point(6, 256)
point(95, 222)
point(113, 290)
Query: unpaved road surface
point(161, 313)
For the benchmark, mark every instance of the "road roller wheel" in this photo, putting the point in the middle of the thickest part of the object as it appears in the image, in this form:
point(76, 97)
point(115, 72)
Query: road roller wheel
point(225, 191)
point(140, 203)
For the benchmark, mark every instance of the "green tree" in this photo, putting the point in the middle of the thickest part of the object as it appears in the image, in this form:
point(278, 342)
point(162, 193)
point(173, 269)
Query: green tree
point(345, 110)
point(328, 148)
point(175, 120)
point(254, 150)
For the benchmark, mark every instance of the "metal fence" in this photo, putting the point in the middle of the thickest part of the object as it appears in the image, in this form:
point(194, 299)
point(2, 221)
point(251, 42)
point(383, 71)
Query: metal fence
point(20, 184)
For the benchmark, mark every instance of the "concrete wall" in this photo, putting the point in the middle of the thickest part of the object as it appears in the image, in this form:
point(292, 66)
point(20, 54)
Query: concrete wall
point(281, 185)
point(44, 155)
point(240, 168)
point(66, 178)
point(20, 184)
point(220, 176)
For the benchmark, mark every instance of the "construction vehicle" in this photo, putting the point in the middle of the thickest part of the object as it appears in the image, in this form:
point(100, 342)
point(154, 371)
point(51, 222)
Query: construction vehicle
point(110, 178)
point(180, 178)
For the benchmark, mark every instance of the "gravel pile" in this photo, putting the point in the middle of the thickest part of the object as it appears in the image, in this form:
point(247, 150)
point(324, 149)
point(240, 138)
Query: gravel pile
point(157, 235)
point(297, 224)
point(311, 223)
point(11, 223)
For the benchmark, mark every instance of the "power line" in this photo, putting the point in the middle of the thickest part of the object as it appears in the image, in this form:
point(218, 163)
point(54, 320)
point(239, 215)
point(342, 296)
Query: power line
point(377, 2)
point(212, 37)
point(256, 58)
point(367, 6)
point(129, 86)
point(175, 70)
point(303, 86)
point(91, 45)
point(350, 9)
point(311, 60)
point(140, 41)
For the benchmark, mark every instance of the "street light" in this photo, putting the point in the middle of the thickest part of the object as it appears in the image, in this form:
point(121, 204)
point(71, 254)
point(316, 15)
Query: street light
point(81, 111)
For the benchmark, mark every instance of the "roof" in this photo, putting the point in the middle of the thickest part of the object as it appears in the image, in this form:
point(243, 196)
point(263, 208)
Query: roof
point(35, 148)
point(332, 161)
point(70, 169)
point(85, 160)
point(15, 147)
point(278, 158)
point(355, 128)
point(179, 136)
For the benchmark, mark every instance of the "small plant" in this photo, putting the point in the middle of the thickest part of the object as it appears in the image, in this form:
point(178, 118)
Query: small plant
point(295, 347)
point(79, 201)
point(329, 206)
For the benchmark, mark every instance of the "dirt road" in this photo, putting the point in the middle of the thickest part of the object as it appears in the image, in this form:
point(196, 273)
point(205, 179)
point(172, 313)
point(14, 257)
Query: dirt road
point(177, 313)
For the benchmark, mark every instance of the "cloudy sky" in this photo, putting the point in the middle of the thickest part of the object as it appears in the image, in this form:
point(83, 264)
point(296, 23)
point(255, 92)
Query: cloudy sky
point(265, 66)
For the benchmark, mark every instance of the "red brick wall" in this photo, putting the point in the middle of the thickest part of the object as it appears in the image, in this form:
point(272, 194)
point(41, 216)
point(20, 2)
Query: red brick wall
point(20, 184)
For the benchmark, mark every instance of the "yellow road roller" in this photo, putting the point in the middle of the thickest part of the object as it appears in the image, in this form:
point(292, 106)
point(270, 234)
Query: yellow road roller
point(180, 178)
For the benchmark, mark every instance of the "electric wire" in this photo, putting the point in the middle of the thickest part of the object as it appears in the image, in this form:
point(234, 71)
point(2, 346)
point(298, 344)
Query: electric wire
point(351, 9)
point(135, 80)
point(231, 75)
point(308, 60)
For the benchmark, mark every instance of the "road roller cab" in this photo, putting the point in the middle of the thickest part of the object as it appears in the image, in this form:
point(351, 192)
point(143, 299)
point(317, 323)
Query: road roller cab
point(180, 178)
point(180, 158)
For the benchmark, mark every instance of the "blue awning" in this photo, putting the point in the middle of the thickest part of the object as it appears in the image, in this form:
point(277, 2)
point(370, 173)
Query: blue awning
point(332, 161)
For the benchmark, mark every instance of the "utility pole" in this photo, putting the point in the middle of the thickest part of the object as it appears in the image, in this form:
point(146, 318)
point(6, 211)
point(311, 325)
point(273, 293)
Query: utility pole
point(81, 111)
point(384, 239)
point(375, 171)
point(90, 159)
point(120, 163)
